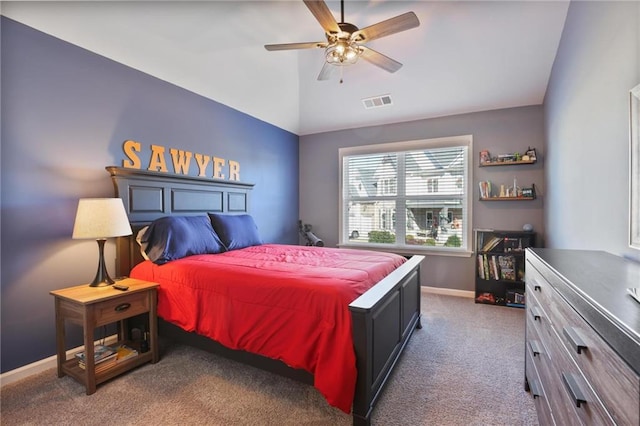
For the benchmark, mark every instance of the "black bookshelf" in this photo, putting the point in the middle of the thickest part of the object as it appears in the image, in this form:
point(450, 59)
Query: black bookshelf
point(499, 267)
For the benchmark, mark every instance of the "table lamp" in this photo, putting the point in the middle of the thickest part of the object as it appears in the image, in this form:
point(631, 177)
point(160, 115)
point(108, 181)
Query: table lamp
point(99, 219)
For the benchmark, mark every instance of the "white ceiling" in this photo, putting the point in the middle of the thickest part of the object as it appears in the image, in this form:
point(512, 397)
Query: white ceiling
point(465, 56)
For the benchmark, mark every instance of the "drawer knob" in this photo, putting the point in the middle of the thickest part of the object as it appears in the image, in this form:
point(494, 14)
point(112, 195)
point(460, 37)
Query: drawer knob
point(573, 387)
point(575, 339)
point(537, 288)
point(122, 307)
point(535, 313)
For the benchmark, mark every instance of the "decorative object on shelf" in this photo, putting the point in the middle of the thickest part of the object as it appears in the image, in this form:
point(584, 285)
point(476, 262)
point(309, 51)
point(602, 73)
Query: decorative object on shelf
point(531, 154)
point(485, 157)
point(99, 219)
point(527, 227)
point(485, 189)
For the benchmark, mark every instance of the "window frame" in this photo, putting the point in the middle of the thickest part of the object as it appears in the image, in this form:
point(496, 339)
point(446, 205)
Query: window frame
point(406, 146)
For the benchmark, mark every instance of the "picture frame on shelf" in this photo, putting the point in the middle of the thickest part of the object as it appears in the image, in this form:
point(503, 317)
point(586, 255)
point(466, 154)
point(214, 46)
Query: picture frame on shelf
point(529, 192)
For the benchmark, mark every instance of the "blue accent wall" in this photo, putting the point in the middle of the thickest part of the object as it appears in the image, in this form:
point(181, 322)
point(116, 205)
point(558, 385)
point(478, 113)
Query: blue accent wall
point(65, 115)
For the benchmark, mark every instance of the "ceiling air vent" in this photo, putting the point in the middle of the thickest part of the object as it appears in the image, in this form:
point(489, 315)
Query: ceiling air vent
point(377, 101)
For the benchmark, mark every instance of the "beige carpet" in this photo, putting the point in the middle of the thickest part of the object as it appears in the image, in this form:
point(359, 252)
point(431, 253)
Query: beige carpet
point(464, 367)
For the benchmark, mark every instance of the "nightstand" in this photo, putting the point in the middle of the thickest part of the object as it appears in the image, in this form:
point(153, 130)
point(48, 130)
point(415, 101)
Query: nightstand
point(92, 307)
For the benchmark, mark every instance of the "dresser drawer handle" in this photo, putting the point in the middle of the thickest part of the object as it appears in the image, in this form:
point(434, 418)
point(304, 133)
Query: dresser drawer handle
point(537, 287)
point(575, 339)
point(535, 313)
point(122, 307)
point(536, 390)
point(535, 347)
point(574, 389)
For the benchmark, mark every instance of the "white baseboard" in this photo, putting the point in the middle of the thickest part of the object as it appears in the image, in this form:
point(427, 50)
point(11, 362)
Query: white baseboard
point(448, 291)
point(45, 364)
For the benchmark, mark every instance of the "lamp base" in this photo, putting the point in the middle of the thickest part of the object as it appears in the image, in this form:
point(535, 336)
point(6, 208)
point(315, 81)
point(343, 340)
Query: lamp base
point(102, 278)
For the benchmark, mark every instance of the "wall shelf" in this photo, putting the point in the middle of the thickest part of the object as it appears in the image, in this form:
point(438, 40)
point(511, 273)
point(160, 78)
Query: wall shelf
point(506, 163)
point(508, 199)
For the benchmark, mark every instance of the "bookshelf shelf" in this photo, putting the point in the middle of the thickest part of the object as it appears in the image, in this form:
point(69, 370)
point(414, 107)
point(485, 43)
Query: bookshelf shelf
point(500, 266)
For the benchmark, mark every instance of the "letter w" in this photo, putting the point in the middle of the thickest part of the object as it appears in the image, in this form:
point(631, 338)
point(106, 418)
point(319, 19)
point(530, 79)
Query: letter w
point(181, 160)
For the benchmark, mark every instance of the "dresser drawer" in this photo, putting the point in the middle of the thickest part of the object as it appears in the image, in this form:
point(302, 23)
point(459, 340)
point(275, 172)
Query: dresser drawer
point(573, 388)
point(592, 355)
point(536, 388)
point(119, 308)
point(541, 356)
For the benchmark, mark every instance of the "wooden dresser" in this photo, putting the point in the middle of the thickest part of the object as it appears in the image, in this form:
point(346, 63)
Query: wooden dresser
point(582, 350)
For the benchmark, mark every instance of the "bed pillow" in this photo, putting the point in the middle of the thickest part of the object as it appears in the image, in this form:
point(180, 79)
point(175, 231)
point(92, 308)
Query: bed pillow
point(174, 237)
point(143, 245)
point(236, 231)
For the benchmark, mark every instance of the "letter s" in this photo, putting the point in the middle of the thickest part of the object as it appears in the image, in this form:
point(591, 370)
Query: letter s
point(130, 148)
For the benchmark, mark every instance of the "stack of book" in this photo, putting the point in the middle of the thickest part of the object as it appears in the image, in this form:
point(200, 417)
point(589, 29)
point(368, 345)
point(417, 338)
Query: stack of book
point(107, 356)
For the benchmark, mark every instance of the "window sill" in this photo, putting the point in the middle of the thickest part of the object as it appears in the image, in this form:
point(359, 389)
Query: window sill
point(409, 251)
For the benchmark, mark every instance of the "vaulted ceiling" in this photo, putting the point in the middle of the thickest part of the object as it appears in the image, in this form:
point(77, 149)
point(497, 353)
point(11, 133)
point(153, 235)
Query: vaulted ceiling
point(465, 56)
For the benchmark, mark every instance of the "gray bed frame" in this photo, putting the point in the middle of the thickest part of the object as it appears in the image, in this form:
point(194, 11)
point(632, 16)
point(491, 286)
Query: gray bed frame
point(383, 318)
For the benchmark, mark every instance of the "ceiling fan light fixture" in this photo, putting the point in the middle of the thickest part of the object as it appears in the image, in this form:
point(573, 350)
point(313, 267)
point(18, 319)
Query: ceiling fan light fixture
point(343, 53)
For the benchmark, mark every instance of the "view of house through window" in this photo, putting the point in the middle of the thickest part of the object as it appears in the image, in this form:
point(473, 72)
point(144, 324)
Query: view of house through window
point(407, 194)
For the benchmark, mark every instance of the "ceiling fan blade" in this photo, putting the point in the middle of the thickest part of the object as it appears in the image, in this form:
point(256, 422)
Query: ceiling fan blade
point(327, 71)
point(400, 23)
point(291, 46)
point(380, 60)
point(324, 16)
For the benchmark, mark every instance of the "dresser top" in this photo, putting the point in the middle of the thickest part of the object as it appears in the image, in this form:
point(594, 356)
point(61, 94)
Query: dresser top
point(597, 282)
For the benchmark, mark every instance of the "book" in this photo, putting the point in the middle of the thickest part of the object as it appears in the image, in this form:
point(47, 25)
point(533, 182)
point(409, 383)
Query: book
point(102, 366)
point(124, 352)
point(481, 267)
point(120, 353)
point(101, 353)
point(491, 244)
point(507, 270)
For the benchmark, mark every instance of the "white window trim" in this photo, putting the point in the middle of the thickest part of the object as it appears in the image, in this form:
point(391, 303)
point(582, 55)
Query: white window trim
point(433, 143)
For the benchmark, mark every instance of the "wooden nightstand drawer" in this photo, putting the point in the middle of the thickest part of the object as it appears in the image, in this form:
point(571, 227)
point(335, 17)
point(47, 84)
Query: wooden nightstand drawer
point(122, 307)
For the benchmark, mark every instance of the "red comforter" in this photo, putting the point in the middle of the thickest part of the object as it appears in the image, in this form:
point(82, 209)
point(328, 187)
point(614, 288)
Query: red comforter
point(284, 302)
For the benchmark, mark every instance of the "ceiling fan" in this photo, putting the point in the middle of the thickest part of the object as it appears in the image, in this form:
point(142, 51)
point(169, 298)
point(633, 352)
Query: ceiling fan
point(344, 43)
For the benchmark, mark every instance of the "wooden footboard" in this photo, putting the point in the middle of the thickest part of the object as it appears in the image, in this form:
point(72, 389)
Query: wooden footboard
point(383, 321)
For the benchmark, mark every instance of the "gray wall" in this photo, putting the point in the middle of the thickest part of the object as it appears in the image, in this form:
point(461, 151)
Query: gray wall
point(499, 131)
point(587, 127)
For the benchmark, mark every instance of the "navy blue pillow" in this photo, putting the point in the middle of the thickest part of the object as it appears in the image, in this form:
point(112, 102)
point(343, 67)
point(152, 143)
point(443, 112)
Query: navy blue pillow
point(174, 237)
point(236, 231)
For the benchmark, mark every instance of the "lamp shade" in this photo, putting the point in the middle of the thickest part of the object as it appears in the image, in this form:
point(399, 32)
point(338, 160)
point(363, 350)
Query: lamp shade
point(101, 218)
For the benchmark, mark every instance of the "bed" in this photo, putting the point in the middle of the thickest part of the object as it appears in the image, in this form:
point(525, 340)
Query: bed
point(381, 317)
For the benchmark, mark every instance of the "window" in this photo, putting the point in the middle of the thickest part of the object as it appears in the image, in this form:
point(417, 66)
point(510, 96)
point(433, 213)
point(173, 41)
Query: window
point(407, 196)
